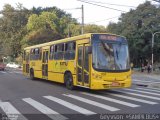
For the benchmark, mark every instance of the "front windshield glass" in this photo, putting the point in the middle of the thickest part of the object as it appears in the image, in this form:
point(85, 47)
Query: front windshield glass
point(110, 56)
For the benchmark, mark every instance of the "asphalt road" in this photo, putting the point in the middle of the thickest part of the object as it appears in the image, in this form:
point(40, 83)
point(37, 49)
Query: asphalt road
point(24, 99)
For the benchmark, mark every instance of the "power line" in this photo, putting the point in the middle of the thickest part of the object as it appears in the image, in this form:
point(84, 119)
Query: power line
point(156, 1)
point(101, 6)
point(103, 20)
point(112, 4)
point(72, 8)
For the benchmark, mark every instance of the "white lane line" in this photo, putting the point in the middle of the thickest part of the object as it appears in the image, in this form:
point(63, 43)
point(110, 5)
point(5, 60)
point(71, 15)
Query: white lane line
point(11, 112)
point(146, 81)
point(44, 109)
point(11, 72)
point(151, 93)
point(70, 105)
point(3, 72)
point(134, 99)
point(91, 102)
point(153, 88)
point(149, 81)
point(149, 90)
point(140, 95)
point(113, 100)
point(18, 72)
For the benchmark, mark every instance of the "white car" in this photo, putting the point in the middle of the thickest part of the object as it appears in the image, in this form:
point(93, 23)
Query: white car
point(12, 65)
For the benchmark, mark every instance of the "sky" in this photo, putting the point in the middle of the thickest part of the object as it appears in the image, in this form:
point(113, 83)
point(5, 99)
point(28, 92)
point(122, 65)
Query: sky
point(92, 14)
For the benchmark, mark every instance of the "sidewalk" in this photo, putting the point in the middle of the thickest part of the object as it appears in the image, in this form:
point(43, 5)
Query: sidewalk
point(144, 77)
point(145, 74)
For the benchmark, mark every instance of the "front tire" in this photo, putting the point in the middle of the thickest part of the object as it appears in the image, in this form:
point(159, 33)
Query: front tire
point(69, 81)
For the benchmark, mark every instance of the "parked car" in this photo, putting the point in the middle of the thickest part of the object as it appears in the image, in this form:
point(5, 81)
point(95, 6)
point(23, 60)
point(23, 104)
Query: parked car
point(12, 65)
point(2, 66)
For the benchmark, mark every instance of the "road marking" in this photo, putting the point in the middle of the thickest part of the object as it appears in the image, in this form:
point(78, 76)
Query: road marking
point(153, 77)
point(11, 112)
point(91, 102)
point(149, 89)
point(140, 95)
point(3, 72)
point(151, 93)
point(18, 72)
point(153, 88)
point(146, 80)
point(11, 72)
point(134, 99)
point(44, 109)
point(70, 105)
point(113, 100)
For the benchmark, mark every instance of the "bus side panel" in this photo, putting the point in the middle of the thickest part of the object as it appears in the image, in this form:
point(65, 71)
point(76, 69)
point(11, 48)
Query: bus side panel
point(38, 74)
point(54, 73)
point(57, 68)
point(71, 66)
point(37, 67)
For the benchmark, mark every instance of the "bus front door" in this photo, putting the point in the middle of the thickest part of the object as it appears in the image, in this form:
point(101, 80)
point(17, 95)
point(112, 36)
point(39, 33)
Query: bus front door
point(83, 66)
point(45, 64)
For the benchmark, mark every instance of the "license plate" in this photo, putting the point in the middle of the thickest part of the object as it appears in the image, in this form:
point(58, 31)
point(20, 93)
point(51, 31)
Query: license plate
point(115, 84)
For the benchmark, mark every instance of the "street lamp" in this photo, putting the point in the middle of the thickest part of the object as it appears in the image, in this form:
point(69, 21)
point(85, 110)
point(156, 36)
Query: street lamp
point(139, 24)
point(153, 34)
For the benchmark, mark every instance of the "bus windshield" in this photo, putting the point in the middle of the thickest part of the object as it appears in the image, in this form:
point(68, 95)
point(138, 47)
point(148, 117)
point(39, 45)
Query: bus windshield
point(110, 55)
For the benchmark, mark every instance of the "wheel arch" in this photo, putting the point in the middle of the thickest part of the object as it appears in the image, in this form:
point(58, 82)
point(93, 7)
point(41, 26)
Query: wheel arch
point(66, 72)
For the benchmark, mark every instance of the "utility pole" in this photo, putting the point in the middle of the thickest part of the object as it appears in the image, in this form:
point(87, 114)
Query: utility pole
point(82, 25)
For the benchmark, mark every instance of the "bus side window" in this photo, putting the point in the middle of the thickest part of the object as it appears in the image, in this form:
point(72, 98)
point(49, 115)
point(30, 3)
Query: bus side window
point(31, 54)
point(60, 52)
point(55, 52)
point(51, 55)
point(70, 51)
point(40, 53)
point(36, 54)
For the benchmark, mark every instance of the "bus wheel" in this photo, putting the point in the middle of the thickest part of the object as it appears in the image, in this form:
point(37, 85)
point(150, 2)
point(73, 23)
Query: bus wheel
point(69, 81)
point(31, 74)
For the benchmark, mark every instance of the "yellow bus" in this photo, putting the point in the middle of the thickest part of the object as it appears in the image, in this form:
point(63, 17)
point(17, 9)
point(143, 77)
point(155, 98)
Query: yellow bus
point(95, 61)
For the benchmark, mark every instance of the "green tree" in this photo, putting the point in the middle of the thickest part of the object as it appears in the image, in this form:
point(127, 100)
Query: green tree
point(92, 28)
point(139, 38)
point(13, 28)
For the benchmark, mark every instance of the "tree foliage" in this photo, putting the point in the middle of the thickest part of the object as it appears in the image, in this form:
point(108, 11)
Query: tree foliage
point(20, 27)
point(140, 38)
point(13, 28)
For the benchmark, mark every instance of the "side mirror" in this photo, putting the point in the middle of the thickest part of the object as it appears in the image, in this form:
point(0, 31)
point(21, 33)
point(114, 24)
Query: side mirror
point(89, 49)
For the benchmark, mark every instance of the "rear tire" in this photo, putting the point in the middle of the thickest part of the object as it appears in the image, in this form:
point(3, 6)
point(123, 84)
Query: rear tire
point(32, 74)
point(69, 81)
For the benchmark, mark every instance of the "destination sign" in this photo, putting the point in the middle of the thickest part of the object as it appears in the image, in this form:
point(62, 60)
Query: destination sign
point(107, 37)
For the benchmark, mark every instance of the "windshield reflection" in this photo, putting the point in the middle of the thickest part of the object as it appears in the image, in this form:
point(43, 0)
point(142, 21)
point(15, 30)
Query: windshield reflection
point(110, 56)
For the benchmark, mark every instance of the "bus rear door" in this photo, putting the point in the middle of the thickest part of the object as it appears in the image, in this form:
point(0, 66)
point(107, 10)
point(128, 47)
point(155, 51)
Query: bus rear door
point(26, 62)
